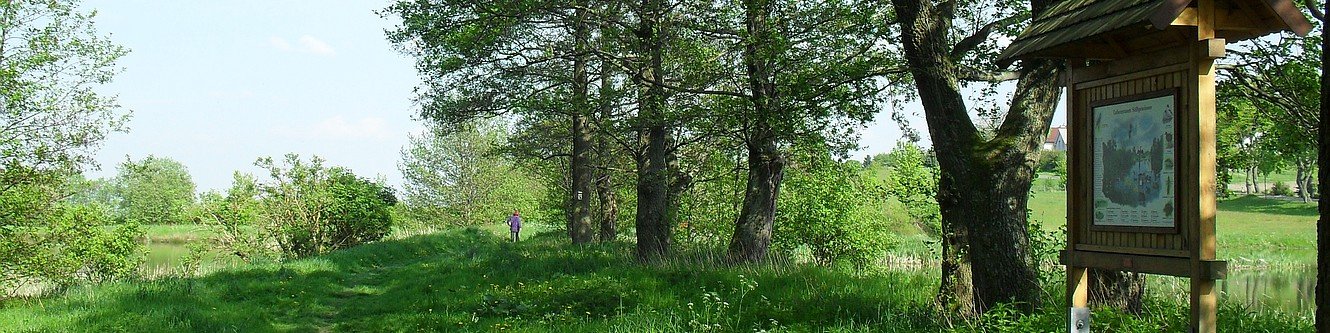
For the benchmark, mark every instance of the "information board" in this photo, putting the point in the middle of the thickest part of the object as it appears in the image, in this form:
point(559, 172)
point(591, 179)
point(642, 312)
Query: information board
point(1134, 162)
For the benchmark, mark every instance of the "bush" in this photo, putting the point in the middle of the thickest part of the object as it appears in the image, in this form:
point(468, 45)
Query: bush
point(62, 244)
point(1281, 188)
point(1051, 161)
point(235, 219)
point(360, 210)
point(304, 209)
point(827, 208)
point(915, 186)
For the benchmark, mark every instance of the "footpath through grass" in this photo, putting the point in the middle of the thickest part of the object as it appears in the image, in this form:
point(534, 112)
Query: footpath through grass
point(471, 280)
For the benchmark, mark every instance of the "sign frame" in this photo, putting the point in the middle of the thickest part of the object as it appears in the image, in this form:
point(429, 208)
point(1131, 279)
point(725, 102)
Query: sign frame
point(1177, 185)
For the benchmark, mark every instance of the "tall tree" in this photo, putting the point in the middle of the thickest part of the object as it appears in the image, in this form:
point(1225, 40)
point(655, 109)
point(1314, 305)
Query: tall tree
point(51, 117)
point(460, 177)
point(580, 228)
point(653, 226)
point(785, 72)
point(155, 190)
point(985, 182)
point(523, 57)
point(1278, 78)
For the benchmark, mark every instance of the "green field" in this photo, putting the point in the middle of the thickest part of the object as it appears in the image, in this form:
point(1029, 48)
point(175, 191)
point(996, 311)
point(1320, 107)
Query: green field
point(1252, 231)
point(471, 280)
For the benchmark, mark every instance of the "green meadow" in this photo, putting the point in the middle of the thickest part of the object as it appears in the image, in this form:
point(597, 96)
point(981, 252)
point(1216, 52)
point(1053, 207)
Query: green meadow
point(472, 280)
point(1252, 230)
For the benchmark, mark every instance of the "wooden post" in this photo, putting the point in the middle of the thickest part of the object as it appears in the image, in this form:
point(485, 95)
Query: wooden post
point(1204, 298)
point(1078, 284)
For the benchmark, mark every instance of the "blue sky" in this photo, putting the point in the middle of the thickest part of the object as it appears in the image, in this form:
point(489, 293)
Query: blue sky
point(218, 84)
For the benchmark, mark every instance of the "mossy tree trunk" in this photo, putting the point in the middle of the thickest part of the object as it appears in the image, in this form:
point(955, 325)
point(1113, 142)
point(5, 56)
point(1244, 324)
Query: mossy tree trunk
point(985, 183)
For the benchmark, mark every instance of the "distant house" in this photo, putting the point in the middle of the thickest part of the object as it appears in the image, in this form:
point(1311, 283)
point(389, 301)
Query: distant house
point(1057, 139)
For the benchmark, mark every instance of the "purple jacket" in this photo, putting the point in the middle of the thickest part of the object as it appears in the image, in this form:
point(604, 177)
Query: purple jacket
point(515, 222)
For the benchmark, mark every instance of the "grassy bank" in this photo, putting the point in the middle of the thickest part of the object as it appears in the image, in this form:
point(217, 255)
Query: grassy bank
point(471, 280)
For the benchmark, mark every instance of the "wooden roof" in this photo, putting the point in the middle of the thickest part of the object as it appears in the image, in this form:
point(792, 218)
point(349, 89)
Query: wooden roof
point(1080, 28)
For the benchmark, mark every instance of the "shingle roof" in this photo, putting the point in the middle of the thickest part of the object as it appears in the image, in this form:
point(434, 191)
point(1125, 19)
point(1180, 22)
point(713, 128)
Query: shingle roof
point(1069, 21)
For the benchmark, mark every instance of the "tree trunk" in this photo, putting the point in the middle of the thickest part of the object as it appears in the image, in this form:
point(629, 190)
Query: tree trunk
point(1250, 182)
point(752, 230)
point(1323, 160)
point(607, 200)
point(609, 208)
point(579, 223)
point(1304, 180)
point(1115, 289)
point(984, 188)
point(653, 227)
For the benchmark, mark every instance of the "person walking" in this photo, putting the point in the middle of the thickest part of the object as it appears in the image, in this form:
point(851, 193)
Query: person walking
point(515, 224)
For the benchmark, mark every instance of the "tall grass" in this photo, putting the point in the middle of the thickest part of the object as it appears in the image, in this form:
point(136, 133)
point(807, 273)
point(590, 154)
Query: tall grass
point(472, 280)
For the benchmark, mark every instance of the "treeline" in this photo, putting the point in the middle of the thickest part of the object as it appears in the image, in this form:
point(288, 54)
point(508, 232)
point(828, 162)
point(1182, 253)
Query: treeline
point(842, 212)
point(1269, 99)
point(660, 117)
point(725, 120)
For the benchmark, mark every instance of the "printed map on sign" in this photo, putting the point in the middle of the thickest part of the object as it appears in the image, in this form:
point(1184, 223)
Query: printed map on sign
point(1134, 163)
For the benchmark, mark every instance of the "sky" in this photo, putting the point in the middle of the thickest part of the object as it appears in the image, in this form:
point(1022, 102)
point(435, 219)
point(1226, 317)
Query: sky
point(216, 85)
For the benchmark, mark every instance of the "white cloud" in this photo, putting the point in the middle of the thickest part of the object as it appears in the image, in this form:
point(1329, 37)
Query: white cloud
point(304, 44)
point(339, 128)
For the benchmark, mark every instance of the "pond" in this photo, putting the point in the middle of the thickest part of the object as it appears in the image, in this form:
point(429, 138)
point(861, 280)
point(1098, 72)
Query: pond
point(165, 258)
point(1287, 290)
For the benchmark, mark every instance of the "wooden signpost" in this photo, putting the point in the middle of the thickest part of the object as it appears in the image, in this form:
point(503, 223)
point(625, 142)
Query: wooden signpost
point(1141, 108)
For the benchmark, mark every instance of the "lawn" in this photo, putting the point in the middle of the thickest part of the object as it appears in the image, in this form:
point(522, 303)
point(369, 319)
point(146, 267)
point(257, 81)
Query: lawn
point(1251, 230)
point(471, 280)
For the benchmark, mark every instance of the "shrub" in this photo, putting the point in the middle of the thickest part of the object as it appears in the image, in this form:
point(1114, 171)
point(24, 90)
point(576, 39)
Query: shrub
point(304, 209)
point(1051, 161)
point(63, 244)
point(915, 186)
point(1281, 188)
point(235, 219)
point(826, 207)
point(359, 210)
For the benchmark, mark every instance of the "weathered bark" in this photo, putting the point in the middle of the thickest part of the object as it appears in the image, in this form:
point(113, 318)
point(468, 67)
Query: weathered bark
point(1115, 289)
point(653, 227)
point(579, 222)
point(1323, 160)
point(985, 184)
point(752, 230)
point(607, 201)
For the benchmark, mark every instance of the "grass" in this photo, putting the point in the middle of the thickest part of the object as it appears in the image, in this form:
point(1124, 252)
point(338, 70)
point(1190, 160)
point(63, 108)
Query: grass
point(175, 233)
point(471, 280)
point(1252, 231)
point(1288, 176)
